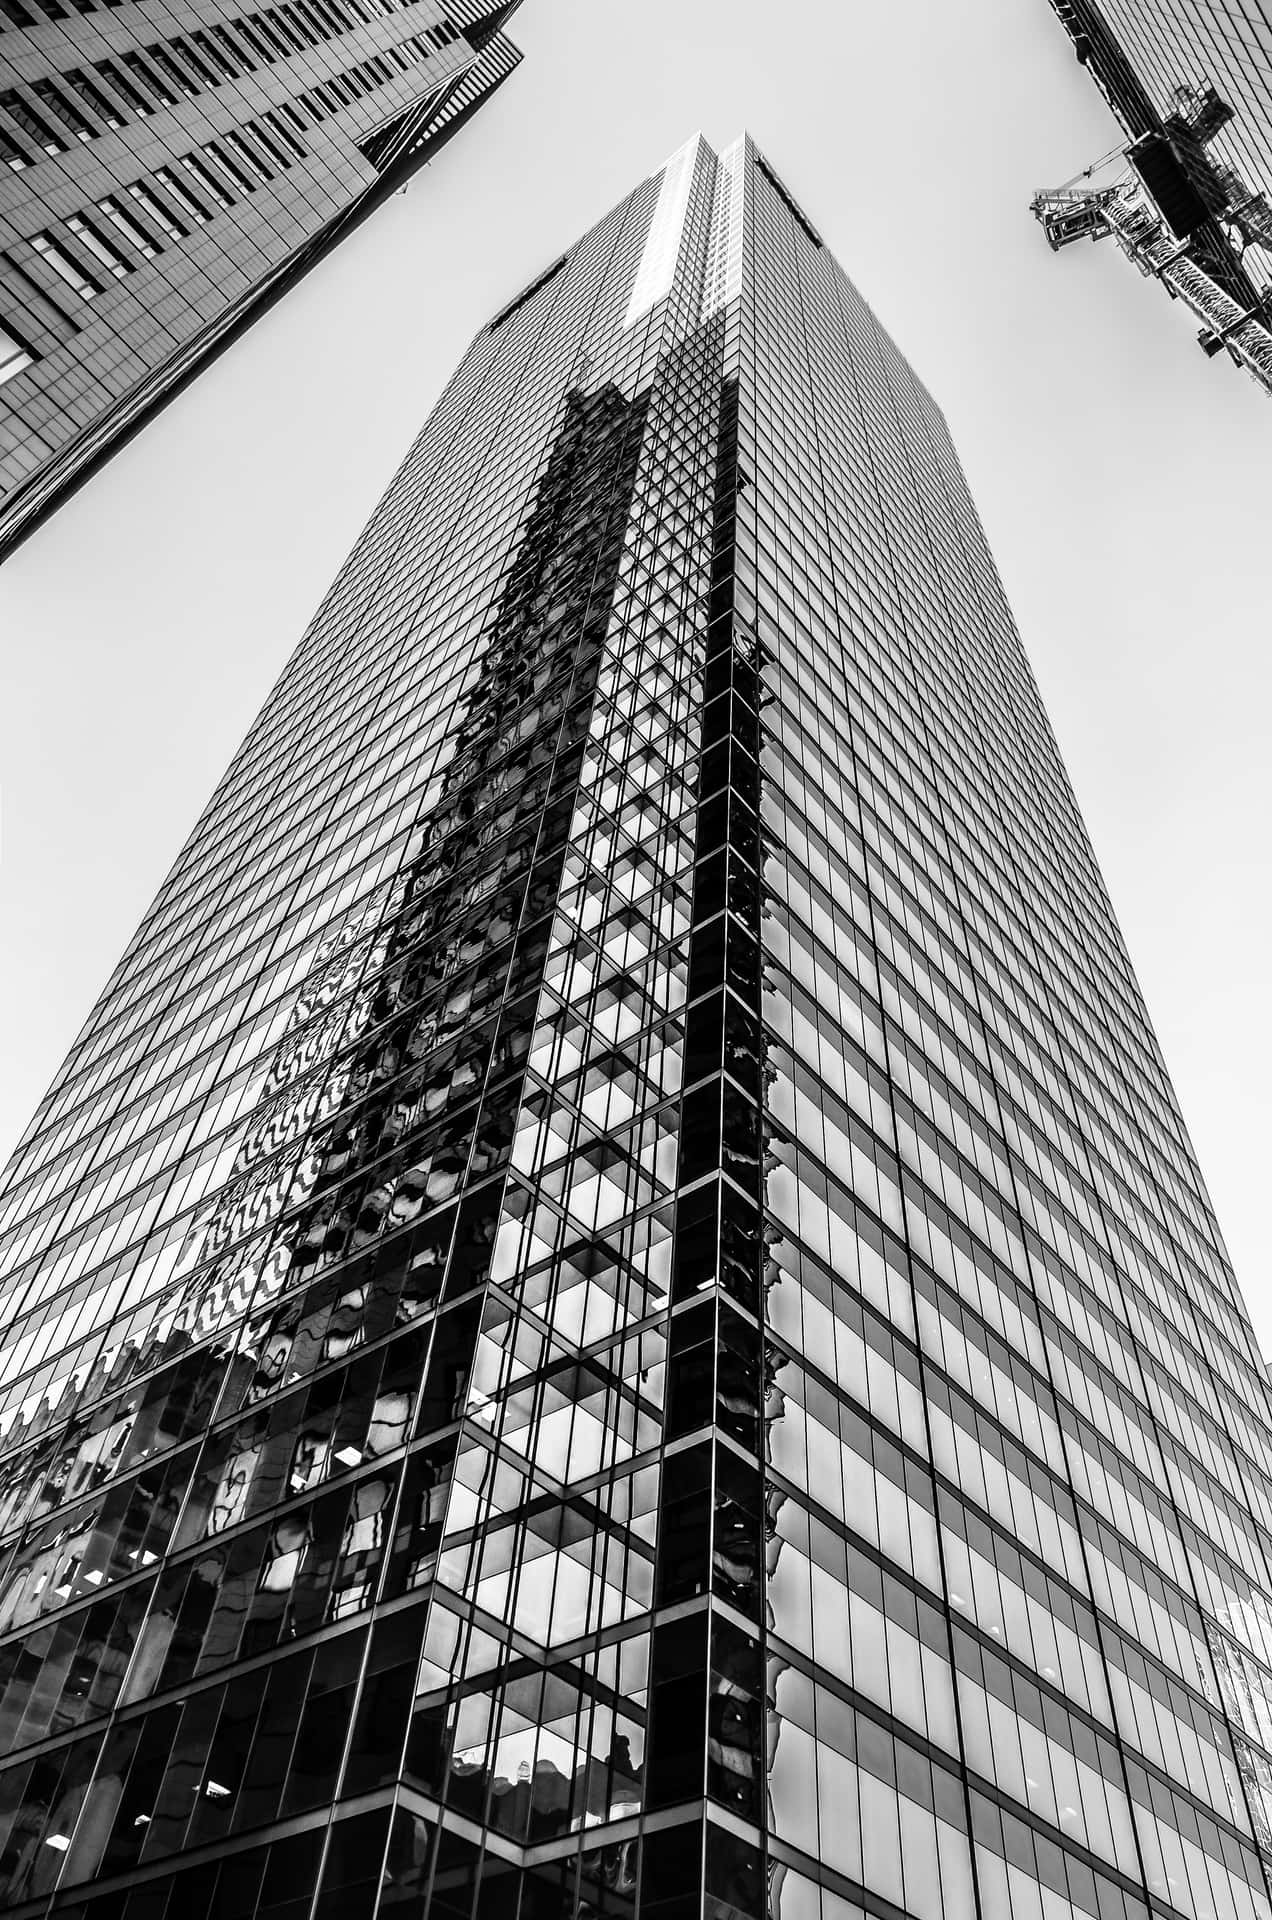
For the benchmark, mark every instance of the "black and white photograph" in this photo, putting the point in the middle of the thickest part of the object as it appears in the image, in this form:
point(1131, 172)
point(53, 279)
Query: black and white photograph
point(635, 1004)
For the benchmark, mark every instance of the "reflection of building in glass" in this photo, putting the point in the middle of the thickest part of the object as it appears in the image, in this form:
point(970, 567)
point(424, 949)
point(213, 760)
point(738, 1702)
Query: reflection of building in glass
point(612, 1313)
point(160, 188)
point(1187, 197)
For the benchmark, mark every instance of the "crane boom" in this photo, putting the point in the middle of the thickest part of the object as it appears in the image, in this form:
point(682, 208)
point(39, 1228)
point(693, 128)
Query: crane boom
point(1068, 214)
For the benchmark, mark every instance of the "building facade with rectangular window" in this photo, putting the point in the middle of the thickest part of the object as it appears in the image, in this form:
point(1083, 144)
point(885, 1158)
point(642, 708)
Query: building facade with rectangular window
point(167, 173)
point(612, 1314)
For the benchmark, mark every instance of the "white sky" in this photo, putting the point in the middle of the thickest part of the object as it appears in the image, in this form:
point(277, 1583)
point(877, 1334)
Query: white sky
point(1121, 476)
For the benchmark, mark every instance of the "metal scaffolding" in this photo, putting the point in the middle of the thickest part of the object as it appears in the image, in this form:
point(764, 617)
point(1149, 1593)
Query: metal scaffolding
point(1125, 211)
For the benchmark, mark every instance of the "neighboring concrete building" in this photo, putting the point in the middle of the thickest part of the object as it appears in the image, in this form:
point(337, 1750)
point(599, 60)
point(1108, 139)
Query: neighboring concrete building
point(612, 1313)
point(1186, 198)
point(168, 168)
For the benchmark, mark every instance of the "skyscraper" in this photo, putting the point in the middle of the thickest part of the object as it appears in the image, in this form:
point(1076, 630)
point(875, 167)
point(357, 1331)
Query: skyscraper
point(169, 172)
point(613, 1313)
point(1189, 83)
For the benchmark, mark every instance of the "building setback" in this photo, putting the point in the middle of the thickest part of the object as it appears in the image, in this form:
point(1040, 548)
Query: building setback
point(613, 1313)
point(1188, 81)
point(168, 170)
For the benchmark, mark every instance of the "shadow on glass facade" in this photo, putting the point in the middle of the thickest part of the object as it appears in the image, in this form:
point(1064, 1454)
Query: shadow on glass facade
point(612, 1314)
point(166, 176)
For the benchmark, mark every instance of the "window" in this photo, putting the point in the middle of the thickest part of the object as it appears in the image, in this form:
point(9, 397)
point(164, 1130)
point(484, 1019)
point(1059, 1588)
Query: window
point(64, 110)
point(269, 142)
point(235, 54)
point(150, 80)
point(196, 61)
point(142, 104)
point(302, 27)
point(187, 201)
point(30, 122)
point(13, 355)
point(124, 222)
point(158, 212)
point(253, 38)
point(266, 31)
point(288, 112)
point(65, 267)
point(11, 153)
point(16, 14)
point(230, 166)
point(213, 55)
point(281, 131)
point(102, 250)
point(93, 97)
point(219, 193)
point(329, 14)
point(63, 315)
point(310, 23)
point(247, 152)
point(164, 61)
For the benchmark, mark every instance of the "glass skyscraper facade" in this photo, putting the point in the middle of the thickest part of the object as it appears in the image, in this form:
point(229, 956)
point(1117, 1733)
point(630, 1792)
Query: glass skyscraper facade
point(168, 170)
point(612, 1314)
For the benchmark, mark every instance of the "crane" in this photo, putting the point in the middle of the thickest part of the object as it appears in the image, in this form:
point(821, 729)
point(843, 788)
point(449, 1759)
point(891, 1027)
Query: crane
point(1126, 212)
point(1185, 219)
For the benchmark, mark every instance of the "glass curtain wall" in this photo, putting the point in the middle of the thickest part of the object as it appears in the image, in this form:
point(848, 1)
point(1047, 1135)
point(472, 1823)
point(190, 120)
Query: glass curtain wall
point(613, 1314)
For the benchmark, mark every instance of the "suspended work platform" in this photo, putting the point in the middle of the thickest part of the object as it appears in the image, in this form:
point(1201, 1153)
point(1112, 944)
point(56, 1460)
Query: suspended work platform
point(1185, 220)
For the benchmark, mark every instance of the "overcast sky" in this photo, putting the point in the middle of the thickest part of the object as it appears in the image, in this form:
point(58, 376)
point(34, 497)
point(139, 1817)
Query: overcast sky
point(1121, 477)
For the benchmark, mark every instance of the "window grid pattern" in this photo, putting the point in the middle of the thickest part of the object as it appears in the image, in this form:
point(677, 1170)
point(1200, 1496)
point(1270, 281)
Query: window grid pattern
point(260, 136)
point(613, 1313)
